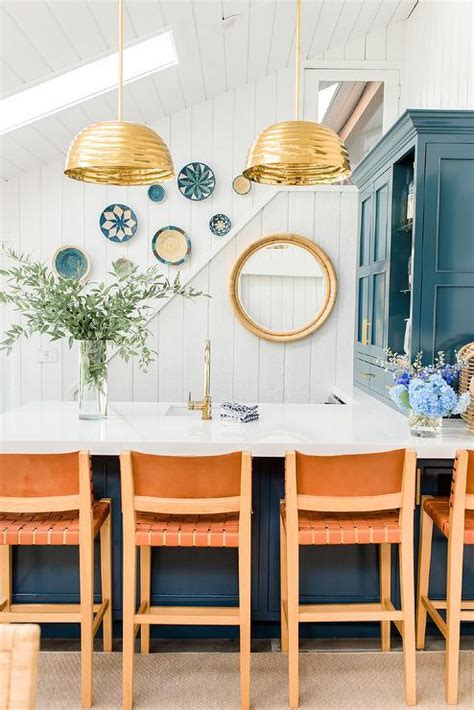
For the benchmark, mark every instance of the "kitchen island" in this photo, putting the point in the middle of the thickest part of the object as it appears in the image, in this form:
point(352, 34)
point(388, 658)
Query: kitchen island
point(199, 576)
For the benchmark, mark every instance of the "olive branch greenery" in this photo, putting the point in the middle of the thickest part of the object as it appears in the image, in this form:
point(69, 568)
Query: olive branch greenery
point(116, 313)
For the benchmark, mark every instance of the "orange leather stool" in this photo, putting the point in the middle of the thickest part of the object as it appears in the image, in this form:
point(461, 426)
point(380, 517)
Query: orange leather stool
point(46, 499)
point(349, 500)
point(454, 516)
point(175, 501)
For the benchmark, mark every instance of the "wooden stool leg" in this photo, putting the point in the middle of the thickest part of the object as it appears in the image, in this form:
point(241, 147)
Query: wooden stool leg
point(293, 624)
point(424, 563)
point(453, 616)
point(245, 613)
point(6, 575)
point(407, 589)
point(106, 580)
point(145, 592)
point(283, 590)
point(129, 586)
point(86, 564)
point(385, 590)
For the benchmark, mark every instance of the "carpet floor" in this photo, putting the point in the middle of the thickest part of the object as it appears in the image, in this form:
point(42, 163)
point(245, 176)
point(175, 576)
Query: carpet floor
point(205, 681)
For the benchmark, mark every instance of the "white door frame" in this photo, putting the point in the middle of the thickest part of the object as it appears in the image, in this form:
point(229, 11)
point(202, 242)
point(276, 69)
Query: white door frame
point(347, 70)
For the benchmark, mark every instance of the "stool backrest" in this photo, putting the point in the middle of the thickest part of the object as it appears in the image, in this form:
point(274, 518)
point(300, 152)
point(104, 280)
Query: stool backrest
point(462, 485)
point(33, 483)
point(185, 484)
point(358, 482)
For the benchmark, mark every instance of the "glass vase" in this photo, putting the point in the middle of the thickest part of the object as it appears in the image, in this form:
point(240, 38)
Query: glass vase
point(92, 379)
point(421, 425)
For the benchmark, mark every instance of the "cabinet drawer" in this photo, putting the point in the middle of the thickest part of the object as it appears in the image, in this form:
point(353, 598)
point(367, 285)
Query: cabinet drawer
point(378, 380)
point(364, 372)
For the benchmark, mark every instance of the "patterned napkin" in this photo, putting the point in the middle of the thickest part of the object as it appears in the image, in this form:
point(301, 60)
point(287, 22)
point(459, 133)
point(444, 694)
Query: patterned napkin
point(236, 412)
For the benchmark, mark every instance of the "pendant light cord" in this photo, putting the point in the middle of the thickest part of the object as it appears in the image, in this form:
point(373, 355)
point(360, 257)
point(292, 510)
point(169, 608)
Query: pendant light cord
point(120, 63)
point(298, 59)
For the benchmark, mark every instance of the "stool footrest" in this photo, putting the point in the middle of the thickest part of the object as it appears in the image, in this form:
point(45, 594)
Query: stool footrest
point(347, 612)
point(194, 615)
point(50, 613)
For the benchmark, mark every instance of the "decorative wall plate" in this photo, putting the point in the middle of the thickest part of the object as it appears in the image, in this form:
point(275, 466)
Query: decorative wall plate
point(241, 185)
point(71, 262)
point(156, 193)
point(171, 245)
point(220, 225)
point(196, 181)
point(118, 223)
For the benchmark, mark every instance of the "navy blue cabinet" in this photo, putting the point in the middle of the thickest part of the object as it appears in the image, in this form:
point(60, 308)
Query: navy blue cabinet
point(415, 273)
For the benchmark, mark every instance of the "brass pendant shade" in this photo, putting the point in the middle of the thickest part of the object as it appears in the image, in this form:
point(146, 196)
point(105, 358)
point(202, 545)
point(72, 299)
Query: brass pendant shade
point(119, 153)
point(297, 153)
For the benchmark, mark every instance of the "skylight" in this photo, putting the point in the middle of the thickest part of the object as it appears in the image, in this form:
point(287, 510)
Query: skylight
point(324, 99)
point(80, 84)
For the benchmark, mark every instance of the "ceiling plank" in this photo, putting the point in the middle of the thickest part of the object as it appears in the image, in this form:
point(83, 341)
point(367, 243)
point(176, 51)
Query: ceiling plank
point(44, 33)
point(180, 17)
point(404, 10)
point(365, 19)
point(105, 14)
point(79, 25)
point(327, 22)
point(236, 42)
point(283, 30)
point(43, 148)
point(9, 79)
point(208, 19)
point(17, 155)
point(347, 19)
point(262, 18)
point(19, 52)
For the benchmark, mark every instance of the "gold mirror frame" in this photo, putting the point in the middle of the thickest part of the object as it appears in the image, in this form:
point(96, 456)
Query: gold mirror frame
point(322, 315)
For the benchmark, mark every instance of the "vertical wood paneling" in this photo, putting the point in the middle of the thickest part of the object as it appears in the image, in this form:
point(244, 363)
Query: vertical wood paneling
point(439, 56)
point(45, 210)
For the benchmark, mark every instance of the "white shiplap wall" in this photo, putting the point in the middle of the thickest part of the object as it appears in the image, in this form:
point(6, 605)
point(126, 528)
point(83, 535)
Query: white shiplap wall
point(439, 56)
point(41, 209)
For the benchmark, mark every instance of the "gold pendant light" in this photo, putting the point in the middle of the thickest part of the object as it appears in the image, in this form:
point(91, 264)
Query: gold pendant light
point(297, 152)
point(118, 152)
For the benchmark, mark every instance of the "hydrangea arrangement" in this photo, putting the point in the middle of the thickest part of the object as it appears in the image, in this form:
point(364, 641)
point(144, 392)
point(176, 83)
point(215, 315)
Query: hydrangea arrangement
point(428, 391)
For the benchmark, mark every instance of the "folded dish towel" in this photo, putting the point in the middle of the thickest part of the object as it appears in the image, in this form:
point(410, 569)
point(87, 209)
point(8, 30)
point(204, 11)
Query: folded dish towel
point(236, 412)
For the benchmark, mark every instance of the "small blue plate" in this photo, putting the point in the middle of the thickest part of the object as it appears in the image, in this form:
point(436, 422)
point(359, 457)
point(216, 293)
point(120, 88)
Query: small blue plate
point(70, 262)
point(156, 193)
point(220, 225)
point(118, 223)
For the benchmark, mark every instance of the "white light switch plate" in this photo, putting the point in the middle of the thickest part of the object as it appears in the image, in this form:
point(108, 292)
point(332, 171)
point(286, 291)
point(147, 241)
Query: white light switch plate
point(47, 355)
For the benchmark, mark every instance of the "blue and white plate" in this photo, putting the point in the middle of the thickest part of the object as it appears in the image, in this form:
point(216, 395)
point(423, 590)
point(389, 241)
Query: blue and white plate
point(220, 225)
point(118, 223)
point(196, 181)
point(156, 193)
point(70, 262)
point(171, 245)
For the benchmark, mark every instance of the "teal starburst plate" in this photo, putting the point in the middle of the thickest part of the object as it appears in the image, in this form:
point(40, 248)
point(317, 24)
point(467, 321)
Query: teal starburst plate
point(196, 181)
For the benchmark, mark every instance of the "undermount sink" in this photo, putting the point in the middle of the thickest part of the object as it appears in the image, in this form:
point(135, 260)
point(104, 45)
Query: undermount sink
point(181, 410)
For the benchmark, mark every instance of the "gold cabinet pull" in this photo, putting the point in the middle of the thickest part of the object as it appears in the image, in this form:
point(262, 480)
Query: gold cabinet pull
point(365, 331)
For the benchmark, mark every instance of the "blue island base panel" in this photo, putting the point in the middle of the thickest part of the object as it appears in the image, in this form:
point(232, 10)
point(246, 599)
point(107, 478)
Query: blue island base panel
point(200, 576)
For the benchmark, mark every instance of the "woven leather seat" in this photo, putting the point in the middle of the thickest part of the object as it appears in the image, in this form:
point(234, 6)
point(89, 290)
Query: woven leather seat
point(48, 528)
point(315, 528)
point(187, 530)
point(438, 510)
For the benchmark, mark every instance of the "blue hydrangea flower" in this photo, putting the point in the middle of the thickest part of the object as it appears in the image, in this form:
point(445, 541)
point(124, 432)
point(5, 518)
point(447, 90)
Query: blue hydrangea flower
point(403, 378)
point(432, 397)
point(399, 394)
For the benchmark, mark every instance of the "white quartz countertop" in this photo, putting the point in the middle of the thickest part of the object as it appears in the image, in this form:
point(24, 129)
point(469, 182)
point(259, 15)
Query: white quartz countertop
point(362, 425)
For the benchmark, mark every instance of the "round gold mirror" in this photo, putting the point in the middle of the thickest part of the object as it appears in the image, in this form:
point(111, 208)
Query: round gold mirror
point(283, 287)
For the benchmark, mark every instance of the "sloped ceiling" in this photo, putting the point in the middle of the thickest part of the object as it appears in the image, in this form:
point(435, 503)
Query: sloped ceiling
point(40, 38)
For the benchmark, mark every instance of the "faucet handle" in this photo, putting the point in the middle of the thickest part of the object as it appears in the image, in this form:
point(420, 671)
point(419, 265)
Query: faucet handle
point(189, 396)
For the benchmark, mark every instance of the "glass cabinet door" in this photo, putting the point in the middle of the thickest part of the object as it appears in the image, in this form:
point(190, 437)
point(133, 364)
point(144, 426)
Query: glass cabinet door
point(374, 248)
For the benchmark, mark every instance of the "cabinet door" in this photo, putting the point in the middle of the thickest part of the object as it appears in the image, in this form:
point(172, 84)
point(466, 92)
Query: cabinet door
point(372, 272)
point(446, 314)
point(363, 269)
point(380, 248)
